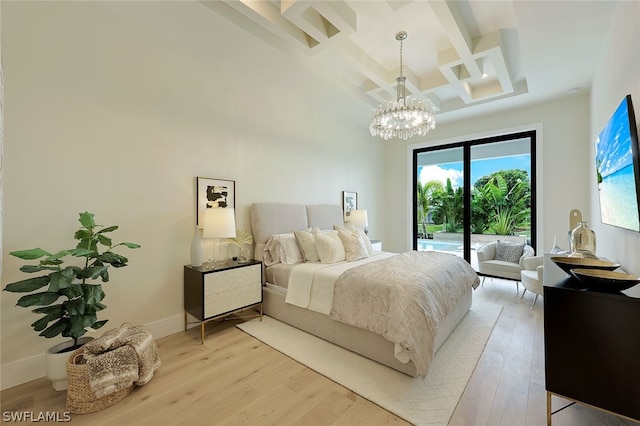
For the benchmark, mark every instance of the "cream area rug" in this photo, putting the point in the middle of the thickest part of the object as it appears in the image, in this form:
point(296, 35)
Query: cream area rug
point(421, 401)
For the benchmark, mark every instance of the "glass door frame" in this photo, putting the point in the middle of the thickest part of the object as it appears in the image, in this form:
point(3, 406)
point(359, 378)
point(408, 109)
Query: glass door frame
point(466, 161)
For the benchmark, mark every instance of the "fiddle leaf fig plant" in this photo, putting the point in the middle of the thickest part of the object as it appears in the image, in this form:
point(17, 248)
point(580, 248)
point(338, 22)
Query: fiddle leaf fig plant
point(68, 296)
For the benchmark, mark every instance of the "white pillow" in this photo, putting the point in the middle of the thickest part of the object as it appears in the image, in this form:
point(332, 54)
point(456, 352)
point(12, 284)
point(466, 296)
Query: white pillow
point(290, 252)
point(307, 243)
point(282, 248)
point(329, 247)
point(354, 247)
point(360, 232)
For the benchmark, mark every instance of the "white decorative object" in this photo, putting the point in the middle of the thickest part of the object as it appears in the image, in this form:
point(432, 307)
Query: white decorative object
point(197, 248)
point(55, 362)
point(219, 224)
point(406, 116)
point(583, 241)
point(359, 219)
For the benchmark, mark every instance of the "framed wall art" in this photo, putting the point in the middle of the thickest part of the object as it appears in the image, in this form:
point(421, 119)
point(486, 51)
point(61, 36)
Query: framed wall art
point(212, 193)
point(349, 202)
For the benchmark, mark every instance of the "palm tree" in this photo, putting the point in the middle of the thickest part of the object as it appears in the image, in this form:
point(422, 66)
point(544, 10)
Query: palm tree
point(425, 192)
point(448, 203)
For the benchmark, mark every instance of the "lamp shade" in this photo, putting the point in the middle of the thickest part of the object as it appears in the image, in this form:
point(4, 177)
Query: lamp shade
point(359, 218)
point(219, 223)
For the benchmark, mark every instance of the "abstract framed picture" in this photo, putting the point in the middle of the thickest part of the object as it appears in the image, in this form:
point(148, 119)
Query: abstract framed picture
point(349, 202)
point(211, 193)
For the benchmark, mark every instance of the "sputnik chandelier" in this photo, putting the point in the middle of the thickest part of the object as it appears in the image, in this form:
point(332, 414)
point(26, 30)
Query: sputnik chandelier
point(406, 116)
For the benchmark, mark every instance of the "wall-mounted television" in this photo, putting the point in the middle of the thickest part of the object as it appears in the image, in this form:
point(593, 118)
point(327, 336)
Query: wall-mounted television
point(618, 169)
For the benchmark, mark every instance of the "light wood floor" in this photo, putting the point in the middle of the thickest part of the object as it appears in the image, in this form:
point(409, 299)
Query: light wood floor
point(234, 379)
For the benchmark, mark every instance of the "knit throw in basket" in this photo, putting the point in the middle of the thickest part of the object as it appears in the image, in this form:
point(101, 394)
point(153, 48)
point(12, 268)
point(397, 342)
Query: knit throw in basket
point(81, 399)
point(106, 369)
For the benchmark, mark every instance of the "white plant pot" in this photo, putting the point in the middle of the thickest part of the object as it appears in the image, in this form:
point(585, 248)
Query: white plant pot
point(56, 362)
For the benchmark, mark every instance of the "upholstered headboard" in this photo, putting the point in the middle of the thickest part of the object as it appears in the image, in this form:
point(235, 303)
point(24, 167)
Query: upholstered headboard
point(268, 219)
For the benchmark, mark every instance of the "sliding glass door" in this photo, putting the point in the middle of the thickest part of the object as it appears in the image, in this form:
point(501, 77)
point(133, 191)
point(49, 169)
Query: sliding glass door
point(474, 192)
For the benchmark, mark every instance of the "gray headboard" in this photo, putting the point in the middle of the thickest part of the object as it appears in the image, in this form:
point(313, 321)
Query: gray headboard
point(268, 219)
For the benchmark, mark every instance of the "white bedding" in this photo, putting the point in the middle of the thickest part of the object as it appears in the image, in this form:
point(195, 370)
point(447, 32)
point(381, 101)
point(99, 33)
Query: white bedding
point(311, 284)
point(407, 315)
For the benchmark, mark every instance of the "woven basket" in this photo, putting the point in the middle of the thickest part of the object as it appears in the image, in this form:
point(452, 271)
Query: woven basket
point(80, 397)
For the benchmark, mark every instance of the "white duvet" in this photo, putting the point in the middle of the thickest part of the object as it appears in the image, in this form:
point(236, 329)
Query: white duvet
point(311, 284)
point(401, 297)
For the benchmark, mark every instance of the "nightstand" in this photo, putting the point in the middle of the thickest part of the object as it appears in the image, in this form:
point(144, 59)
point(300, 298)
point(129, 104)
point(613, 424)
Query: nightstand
point(219, 292)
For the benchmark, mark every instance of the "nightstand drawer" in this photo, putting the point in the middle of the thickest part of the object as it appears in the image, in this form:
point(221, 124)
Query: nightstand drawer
point(229, 290)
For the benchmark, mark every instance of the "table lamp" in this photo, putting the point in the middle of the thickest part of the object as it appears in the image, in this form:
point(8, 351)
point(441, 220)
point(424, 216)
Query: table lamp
point(219, 224)
point(359, 219)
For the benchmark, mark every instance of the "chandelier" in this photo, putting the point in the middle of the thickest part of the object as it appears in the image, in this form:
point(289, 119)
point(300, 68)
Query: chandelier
point(406, 116)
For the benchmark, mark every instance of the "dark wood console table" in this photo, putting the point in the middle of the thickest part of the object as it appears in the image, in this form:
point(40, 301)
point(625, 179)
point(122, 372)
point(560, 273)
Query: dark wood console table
point(592, 348)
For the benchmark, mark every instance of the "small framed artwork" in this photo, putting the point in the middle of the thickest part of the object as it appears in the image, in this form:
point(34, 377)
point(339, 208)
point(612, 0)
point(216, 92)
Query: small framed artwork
point(349, 202)
point(211, 193)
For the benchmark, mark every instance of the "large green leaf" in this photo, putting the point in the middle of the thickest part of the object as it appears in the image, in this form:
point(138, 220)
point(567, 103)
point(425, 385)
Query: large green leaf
point(43, 322)
point(132, 245)
point(104, 240)
point(37, 268)
point(52, 309)
point(93, 272)
point(75, 307)
point(107, 229)
point(93, 293)
point(62, 279)
point(82, 234)
point(49, 261)
point(38, 299)
point(79, 323)
point(96, 325)
point(58, 255)
point(72, 291)
point(80, 252)
point(30, 254)
point(58, 327)
point(87, 220)
point(25, 286)
point(116, 260)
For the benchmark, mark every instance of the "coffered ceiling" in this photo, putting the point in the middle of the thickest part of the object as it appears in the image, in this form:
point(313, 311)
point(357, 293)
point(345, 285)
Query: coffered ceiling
point(468, 57)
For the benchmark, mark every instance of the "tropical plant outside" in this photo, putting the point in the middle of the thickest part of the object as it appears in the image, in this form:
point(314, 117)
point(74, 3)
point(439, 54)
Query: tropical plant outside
point(500, 204)
point(425, 194)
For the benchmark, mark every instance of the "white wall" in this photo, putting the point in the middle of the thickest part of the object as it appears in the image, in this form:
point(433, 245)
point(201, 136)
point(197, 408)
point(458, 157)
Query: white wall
point(116, 107)
point(562, 164)
point(617, 75)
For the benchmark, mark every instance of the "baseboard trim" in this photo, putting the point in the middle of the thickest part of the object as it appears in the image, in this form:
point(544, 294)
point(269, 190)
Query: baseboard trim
point(32, 368)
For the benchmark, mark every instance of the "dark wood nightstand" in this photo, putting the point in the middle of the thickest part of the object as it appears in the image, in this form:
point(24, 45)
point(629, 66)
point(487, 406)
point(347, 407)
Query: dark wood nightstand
point(219, 292)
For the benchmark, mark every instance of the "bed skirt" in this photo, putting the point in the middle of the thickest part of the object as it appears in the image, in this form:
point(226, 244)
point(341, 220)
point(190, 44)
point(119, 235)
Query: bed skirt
point(358, 340)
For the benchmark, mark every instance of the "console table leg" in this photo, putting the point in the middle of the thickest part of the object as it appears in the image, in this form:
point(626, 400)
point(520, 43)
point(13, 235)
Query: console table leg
point(202, 332)
point(548, 408)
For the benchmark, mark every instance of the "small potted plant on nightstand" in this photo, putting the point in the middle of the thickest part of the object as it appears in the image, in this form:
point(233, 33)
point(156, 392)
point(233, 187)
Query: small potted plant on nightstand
point(243, 241)
point(75, 285)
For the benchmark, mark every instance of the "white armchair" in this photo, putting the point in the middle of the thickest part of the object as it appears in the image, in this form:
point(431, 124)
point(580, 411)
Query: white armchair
point(531, 276)
point(489, 265)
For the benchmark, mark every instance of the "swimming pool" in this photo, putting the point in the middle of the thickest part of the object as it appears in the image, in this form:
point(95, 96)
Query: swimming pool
point(439, 245)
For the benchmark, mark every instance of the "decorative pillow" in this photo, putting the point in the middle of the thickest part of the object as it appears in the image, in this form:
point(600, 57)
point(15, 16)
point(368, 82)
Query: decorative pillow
point(282, 248)
point(271, 252)
point(508, 251)
point(290, 252)
point(307, 243)
point(329, 247)
point(360, 232)
point(354, 247)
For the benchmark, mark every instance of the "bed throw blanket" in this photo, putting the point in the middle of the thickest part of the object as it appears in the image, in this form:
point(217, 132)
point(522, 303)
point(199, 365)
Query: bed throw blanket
point(403, 298)
point(119, 358)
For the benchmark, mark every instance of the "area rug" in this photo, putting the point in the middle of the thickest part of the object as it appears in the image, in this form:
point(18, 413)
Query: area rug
point(421, 401)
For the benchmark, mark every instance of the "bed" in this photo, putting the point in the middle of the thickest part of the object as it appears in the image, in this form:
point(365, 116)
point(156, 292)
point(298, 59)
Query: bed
point(282, 297)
